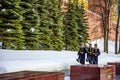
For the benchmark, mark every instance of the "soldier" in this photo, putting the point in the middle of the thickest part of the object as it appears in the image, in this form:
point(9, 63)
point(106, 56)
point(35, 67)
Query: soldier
point(89, 53)
point(96, 53)
point(81, 54)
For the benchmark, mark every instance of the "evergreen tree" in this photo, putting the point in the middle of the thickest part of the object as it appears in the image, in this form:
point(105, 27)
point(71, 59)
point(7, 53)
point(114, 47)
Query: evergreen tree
point(30, 24)
point(57, 25)
point(75, 26)
point(10, 27)
point(71, 27)
point(51, 24)
point(82, 24)
point(44, 30)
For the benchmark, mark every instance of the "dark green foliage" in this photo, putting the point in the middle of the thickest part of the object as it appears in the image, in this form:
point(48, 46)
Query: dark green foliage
point(10, 27)
point(41, 24)
point(44, 30)
point(70, 34)
point(30, 24)
point(51, 24)
point(82, 24)
point(57, 25)
point(75, 31)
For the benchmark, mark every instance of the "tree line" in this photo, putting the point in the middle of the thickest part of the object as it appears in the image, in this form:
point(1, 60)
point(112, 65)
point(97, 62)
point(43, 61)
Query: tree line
point(42, 25)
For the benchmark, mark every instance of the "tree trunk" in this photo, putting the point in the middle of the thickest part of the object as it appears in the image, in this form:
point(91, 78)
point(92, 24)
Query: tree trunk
point(118, 22)
point(116, 35)
point(106, 20)
point(105, 41)
point(107, 36)
point(119, 46)
point(107, 31)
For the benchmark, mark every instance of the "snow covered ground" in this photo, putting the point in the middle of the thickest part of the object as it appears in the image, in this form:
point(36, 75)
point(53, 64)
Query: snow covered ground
point(40, 60)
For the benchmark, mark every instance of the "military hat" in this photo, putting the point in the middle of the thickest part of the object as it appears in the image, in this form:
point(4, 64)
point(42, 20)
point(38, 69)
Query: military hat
point(95, 44)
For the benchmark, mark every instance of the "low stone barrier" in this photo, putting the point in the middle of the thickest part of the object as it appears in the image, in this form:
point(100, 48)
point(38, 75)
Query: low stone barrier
point(117, 66)
point(32, 75)
point(92, 72)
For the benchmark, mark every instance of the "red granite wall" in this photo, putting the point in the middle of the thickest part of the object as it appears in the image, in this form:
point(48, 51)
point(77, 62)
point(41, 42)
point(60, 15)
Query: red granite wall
point(93, 8)
point(94, 24)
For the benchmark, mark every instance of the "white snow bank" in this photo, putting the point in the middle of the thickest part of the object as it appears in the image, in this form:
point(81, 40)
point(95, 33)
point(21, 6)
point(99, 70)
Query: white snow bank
point(13, 60)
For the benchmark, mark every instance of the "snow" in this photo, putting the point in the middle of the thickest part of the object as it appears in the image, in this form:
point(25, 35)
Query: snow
point(40, 60)
point(36, 60)
point(111, 45)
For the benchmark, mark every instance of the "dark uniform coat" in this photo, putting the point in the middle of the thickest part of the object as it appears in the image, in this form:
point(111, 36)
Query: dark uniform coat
point(89, 54)
point(96, 53)
point(81, 55)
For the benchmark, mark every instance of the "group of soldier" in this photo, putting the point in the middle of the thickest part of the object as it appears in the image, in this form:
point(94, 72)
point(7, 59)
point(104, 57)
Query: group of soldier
point(92, 54)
